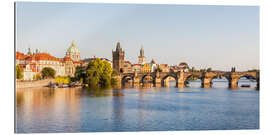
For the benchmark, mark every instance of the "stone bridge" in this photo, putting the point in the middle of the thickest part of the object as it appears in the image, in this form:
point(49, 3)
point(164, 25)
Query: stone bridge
point(181, 78)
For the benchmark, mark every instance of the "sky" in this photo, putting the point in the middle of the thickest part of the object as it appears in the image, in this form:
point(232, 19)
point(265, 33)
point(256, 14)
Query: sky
point(204, 36)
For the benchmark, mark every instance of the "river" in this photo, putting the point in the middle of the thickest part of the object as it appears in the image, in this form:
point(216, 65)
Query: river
point(44, 110)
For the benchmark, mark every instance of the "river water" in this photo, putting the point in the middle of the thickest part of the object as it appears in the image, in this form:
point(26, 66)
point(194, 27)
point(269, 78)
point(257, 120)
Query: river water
point(42, 110)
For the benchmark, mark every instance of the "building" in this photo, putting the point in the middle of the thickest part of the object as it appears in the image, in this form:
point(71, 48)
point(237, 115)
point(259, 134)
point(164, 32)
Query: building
point(118, 58)
point(33, 63)
point(164, 67)
point(153, 65)
point(73, 52)
point(136, 68)
point(127, 68)
point(141, 58)
point(146, 68)
point(182, 67)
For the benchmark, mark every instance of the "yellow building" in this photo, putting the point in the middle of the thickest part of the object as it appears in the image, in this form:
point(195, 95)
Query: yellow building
point(146, 68)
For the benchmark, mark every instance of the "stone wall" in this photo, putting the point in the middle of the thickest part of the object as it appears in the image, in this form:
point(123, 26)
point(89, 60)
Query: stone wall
point(31, 84)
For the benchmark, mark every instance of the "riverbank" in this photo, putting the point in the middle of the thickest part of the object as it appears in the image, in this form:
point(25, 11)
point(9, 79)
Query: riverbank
point(33, 84)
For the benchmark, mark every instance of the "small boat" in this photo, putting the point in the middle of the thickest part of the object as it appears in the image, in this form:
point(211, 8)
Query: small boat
point(65, 86)
point(245, 85)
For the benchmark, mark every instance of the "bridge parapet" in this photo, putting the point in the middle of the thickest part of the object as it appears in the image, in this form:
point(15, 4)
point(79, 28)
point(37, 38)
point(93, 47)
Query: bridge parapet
point(182, 77)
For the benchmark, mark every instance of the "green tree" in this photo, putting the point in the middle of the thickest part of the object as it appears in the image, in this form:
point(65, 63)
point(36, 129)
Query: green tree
point(48, 72)
point(202, 70)
point(209, 70)
point(37, 77)
point(105, 78)
point(158, 69)
point(114, 73)
point(193, 69)
point(254, 70)
point(79, 73)
point(19, 73)
point(99, 73)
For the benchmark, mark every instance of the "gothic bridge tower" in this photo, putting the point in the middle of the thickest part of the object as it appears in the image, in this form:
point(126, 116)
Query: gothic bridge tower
point(141, 57)
point(118, 58)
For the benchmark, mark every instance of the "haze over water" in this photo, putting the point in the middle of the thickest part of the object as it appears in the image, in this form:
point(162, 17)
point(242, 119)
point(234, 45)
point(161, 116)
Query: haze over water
point(137, 109)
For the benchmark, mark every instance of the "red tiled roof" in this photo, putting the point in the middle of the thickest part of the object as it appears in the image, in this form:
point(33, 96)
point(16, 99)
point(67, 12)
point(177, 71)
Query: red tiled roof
point(127, 62)
point(20, 56)
point(80, 62)
point(45, 56)
point(67, 58)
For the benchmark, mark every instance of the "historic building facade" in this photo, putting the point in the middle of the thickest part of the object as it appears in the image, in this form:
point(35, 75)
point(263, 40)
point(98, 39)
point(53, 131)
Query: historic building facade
point(182, 67)
point(33, 63)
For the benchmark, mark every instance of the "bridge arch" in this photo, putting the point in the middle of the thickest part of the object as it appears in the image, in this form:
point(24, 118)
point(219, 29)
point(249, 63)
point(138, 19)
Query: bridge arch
point(227, 80)
point(192, 77)
point(165, 77)
point(147, 76)
point(127, 78)
point(250, 77)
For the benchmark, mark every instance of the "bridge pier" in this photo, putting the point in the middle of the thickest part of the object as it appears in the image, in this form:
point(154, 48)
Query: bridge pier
point(206, 82)
point(157, 82)
point(233, 83)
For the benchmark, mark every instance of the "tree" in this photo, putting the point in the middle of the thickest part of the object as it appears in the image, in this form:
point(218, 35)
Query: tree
point(209, 70)
point(158, 69)
point(19, 73)
point(79, 73)
point(254, 70)
point(114, 73)
point(37, 77)
point(99, 73)
point(193, 69)
point(202, 70)
point(48, 72)
point(62, 80)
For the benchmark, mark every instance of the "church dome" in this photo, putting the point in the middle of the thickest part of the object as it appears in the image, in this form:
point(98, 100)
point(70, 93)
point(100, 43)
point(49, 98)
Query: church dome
point(73, 49)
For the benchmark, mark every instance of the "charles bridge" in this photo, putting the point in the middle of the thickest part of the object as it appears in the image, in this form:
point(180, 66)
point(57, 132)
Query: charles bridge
point(181, 78)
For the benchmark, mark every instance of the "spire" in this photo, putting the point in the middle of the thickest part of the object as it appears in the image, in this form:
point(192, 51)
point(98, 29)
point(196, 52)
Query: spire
point(73, 44)
point(29, 51)
point(142, 51)
point(153, 62)
point(118, 46)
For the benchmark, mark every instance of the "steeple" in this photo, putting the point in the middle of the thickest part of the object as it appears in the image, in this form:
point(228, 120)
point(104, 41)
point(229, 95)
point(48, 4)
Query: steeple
point(73, 43)
point(142, 51)
point(29, 51)
point(153, 62)
point(141, 57)
point(118, 46)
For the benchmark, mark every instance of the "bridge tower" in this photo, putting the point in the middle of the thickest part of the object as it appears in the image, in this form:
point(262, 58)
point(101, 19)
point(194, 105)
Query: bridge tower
point(141, 57)
point(118, 58)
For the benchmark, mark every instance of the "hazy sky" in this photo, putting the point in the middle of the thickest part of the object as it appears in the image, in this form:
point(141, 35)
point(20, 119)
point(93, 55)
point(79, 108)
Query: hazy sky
point(203, 36)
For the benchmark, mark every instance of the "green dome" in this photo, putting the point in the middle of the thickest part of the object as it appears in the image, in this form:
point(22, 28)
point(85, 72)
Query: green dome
point(73, 49)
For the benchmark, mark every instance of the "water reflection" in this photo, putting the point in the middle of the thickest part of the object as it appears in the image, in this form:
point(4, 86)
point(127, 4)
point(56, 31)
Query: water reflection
point(135, 109)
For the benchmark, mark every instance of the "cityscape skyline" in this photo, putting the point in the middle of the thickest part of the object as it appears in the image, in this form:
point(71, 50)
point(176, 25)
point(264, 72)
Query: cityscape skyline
point(220, 37)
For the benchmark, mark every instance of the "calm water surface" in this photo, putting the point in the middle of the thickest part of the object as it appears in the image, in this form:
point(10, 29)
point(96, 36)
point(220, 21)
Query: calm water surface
point(136, 109)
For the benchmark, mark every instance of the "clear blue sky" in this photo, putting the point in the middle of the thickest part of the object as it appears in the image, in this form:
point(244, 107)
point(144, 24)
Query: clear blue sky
point(203, 36)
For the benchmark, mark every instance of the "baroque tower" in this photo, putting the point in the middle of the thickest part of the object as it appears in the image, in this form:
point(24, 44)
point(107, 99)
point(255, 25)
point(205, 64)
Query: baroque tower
point(141, 57)
point(118, 58)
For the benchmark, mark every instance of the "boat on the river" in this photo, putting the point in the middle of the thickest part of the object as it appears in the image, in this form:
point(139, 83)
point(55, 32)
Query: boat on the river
point(245, 85)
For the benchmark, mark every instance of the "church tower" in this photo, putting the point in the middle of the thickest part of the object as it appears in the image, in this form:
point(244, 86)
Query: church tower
point(118, 58)
point(141, 57)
